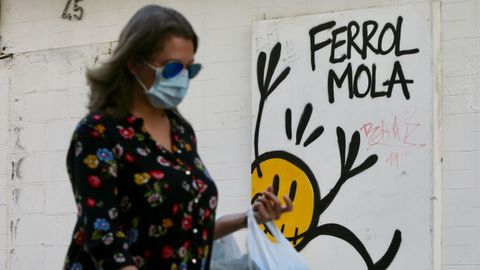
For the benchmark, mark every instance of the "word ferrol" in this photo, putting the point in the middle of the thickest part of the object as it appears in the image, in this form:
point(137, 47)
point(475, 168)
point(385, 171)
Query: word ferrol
point(362, 39)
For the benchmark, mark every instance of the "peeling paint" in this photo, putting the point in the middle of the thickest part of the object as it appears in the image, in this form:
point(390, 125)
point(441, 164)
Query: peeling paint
point(110, 50)
point(18, 145)
point(14, 229)
point(12, 175)
point(15, 194)
point(17, 169)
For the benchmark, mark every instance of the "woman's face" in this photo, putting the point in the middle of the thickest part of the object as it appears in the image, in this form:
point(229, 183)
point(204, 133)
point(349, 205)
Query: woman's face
point(174, 49)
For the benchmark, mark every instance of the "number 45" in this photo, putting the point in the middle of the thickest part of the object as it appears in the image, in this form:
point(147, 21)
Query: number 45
point(79, 11)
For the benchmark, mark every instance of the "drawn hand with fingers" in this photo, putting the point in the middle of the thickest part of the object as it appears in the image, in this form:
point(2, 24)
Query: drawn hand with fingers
point(291, 176)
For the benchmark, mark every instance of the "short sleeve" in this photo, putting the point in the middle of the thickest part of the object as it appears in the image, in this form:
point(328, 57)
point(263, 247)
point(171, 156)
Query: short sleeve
point(92, 168)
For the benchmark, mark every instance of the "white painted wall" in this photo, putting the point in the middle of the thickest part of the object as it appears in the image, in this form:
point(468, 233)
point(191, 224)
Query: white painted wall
point(42, 92)
point(4, 109)
point(461, 134)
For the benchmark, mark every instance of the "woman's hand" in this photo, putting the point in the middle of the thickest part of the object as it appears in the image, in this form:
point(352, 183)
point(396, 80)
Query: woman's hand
point(268, 207)
point(130, 267)
point(265, 208)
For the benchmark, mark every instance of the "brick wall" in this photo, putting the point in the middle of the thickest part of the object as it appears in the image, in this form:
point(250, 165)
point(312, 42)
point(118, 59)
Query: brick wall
point(4, 110)
point(42, 94)
point(461, 134)
point(47, 94)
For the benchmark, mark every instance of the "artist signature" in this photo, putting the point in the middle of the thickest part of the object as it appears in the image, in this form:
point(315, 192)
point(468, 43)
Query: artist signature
point(399, 133)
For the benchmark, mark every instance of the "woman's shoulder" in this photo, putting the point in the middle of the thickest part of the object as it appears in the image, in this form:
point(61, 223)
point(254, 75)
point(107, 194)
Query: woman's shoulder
point(93, 124)
point(91, 119)
point(180, 120)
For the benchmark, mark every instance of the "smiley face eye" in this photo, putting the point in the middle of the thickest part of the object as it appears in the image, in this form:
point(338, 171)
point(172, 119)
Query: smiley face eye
point(276, 187)
point(293, 190)
point(276, 184)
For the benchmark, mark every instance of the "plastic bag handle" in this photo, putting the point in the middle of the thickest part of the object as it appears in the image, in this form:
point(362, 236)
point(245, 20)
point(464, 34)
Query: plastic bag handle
point(270, 226)
point(275, 231)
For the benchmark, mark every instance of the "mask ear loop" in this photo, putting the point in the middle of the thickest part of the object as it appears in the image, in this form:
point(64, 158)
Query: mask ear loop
point(138, 79)
point(150, 65)
point(141, 84)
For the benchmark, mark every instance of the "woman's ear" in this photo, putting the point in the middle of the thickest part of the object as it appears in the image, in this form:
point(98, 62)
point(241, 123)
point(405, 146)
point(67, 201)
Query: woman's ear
point(133, 66)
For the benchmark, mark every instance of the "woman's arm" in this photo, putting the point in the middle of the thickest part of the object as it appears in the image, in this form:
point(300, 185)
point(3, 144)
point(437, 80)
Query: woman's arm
point(93, 167)
point(228, 224)
point(266, 208)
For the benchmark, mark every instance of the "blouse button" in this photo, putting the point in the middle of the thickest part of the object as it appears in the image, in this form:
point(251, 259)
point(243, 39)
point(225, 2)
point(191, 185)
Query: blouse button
point(195, 230)
point(179, 151)
point(188, 172)
point(194, 261)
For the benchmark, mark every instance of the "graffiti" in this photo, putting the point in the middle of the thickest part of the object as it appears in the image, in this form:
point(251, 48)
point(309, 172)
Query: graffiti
point(397, 133)
point(353, 82)
point(307, 112)
point(78, 15)
point(392, 160)
point(289, 175)
point(264, 86)
point(368, 30)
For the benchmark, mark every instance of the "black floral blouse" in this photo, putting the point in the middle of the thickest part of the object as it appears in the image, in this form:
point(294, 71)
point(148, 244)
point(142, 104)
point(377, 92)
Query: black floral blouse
point(139, 204)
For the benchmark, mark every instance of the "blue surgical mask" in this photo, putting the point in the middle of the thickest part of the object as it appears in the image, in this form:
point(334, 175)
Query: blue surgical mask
point(166, 93)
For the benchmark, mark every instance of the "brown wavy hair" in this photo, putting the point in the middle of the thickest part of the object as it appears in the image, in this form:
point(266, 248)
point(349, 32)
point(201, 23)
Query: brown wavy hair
point(111, 83)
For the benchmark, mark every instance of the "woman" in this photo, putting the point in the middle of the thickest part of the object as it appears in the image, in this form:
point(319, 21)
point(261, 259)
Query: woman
point(144, 197)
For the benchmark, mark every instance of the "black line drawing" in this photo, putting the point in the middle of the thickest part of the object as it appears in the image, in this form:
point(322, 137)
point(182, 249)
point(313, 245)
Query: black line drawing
point(304, 119)
point(264, 85)
point(290, 175)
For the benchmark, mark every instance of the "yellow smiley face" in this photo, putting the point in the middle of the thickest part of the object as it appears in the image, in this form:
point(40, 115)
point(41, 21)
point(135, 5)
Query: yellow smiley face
point(291, 177)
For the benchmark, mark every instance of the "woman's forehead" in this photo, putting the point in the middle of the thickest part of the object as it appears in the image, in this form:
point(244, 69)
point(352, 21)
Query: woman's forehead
point(175, 48)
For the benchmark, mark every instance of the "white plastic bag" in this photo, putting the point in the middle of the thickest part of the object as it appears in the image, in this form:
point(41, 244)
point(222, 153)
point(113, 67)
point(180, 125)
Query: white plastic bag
point(263, 254)
point(226, 255)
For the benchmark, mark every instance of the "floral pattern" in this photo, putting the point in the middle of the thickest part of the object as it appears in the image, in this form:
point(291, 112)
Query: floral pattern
point(139, 204)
